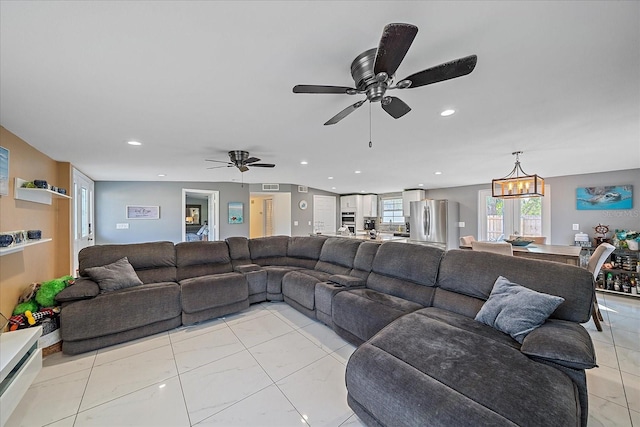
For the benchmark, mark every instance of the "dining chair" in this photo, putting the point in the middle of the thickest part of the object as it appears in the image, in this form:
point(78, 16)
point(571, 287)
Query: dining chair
point(503, 248)
point(597, 258)
point(466, 240)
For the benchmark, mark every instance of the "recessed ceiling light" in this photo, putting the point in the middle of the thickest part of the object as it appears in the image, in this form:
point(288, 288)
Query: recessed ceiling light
point(437, 173)
point(420, 185)
point(330, 177)
point(446, 113)
point(358, 172)
point(362, 191)
point(162, 174)
point(304, 162)
point(333, 188)
point(134, 143)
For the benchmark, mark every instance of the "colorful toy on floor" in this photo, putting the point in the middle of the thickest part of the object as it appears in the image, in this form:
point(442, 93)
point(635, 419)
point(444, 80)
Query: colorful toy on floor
point(25, 306)
point(37, 317)
point(46, 295)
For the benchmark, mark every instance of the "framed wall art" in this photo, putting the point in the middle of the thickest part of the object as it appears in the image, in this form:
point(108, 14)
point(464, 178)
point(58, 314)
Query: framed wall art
point(143, 212)
point(235, 213)
point(4, 171)
point(604, 198)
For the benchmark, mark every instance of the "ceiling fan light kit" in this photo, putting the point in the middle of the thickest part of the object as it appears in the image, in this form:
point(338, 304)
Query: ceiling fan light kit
point(373, 72)
point(517, 183)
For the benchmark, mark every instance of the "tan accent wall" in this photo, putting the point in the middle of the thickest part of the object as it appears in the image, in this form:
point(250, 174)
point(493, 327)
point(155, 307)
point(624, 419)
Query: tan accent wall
point(44, 261)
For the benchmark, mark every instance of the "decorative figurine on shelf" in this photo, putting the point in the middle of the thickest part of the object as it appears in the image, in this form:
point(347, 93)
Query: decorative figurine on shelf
point(601, 234)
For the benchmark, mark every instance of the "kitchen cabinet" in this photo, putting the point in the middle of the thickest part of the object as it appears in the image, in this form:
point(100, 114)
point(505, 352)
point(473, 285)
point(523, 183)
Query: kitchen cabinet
point(370, 205)
point(409, 196)
point(351, 203)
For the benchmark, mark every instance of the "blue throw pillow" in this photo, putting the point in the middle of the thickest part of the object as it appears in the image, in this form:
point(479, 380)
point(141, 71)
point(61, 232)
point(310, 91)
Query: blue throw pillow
point(515, 309)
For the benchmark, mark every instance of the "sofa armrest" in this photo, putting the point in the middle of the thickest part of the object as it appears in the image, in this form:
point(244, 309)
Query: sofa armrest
point(83, 288)
point(247, 268)
point(347, 281)
point(562, 342)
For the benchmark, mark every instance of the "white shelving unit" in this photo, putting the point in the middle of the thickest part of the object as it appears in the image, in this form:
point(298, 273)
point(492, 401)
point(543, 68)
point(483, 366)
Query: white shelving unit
point(20, 361)
point(35, 195)
point(20, 246)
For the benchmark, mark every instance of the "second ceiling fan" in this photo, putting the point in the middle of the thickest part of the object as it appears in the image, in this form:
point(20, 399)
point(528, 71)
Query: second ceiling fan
point(373, 72)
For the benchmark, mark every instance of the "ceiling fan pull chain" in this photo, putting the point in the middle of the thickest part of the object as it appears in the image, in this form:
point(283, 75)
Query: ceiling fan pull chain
point(370, 143)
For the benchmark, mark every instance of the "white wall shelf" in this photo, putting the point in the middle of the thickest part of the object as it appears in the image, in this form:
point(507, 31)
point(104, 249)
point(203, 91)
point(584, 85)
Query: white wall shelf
point(36, 195)
point(20, 246)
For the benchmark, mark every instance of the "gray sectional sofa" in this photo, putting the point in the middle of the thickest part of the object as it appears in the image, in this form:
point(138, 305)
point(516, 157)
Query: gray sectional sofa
point(422, 358)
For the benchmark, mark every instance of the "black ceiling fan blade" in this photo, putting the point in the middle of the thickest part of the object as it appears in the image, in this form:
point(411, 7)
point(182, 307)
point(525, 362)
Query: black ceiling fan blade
point(263, 165)
point(251, 160)
point(396, 107)
point(448, 70)
point(395, 42)
point(344, 113)
point(322, 89)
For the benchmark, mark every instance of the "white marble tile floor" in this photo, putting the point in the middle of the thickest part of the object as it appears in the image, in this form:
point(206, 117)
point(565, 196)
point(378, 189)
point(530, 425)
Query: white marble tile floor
point(270, 366)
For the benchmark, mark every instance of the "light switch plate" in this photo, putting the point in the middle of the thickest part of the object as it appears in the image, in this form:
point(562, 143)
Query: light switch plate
point(576, 227)
point(461, 224)
point(295, 223)
point(122, 226)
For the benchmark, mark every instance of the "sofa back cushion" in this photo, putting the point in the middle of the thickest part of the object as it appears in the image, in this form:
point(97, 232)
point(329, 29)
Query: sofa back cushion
point(337, 255)
point(465, 274)
point(406, 271)
point(363, 262)
point(153, 262)
point(304, 251)
point(239, 250)
point(269, 250)
point(195, 259)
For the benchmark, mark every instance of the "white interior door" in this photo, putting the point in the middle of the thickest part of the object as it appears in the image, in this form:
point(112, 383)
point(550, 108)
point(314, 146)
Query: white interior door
point(83, 223)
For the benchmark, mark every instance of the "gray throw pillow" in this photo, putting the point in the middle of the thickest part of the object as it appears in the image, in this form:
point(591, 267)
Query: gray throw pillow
point(111, 277)
point(515, 309)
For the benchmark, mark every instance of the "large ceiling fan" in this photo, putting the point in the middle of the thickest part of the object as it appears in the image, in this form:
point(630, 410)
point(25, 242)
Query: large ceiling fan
point(242, 161)
point(373, 72)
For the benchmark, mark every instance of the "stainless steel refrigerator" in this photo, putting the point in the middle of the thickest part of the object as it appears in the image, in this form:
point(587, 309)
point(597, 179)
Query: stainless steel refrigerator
point(435, 221)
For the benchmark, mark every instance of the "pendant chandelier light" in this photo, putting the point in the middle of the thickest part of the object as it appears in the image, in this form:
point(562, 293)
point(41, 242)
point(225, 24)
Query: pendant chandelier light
point(517, 183)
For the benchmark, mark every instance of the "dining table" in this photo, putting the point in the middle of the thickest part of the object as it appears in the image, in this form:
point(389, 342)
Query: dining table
point(566, 254)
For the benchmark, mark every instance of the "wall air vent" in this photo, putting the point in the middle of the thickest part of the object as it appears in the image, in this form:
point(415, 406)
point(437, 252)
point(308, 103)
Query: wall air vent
point(303, 189)
point(270, 187)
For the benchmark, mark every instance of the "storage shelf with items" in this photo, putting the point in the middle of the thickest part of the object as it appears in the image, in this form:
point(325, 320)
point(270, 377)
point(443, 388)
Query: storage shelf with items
point(20, 246)
point(622, 274)
point(35, 195)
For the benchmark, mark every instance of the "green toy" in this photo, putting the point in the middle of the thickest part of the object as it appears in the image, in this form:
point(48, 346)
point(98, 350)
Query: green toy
point(46, 295)
point(25, 306)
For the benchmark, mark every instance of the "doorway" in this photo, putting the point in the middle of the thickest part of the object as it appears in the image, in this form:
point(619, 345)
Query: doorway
point(200, 215)
point(270, 214)
point(83, 214)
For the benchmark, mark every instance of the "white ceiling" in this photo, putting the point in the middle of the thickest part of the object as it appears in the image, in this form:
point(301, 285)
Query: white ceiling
point(192, 80)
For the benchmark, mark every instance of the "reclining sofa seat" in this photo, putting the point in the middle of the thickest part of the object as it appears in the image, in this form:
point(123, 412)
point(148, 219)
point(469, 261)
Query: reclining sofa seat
point(402, 280)
point(90, 319)
point(210, 287)
point(335, 256)
point(462, 370)
point(324, 292)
